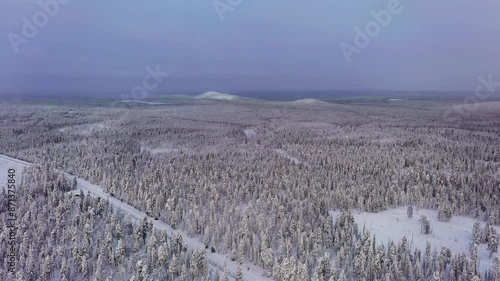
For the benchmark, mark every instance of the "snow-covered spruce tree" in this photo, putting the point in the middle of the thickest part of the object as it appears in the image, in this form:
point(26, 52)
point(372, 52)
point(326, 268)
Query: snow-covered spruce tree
point(225, 276)
point(444, 211)
point(425, 225)
point(493, 240)
point(477, 233)
point(495, 271)
point(409, 211)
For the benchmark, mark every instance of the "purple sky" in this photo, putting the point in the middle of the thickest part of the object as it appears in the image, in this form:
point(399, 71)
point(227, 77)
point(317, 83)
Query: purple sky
point(104, 46)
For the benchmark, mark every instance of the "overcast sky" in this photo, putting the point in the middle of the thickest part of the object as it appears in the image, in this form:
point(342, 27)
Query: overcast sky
point(104, 46)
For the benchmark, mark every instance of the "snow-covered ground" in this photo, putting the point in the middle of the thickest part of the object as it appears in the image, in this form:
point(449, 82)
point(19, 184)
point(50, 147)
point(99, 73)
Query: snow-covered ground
point(86, 129)
point(159, 150)
point(7, 163)
point(250, 133)
point(216, 96)
point(163, 148)
point(394, 224)
point(290, 157)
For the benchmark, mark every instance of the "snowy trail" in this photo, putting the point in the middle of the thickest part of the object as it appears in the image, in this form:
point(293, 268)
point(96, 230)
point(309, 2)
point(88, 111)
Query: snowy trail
point(17, 161)
point(213, 259)
point(7, 163)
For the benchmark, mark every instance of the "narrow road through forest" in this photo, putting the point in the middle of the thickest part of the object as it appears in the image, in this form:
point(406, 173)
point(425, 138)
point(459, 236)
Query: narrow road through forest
point(214, 260)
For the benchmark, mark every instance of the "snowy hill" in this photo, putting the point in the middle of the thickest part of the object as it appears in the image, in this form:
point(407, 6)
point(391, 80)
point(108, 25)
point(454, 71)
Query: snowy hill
point(216, 96)
point(307, 101)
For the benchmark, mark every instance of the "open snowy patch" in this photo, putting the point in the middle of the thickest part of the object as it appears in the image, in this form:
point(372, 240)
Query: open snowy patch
point(290, 157)
point(216, 96)
point(86, 129)
point(394, 100)
point(250, 133)
point(7, 163)
point(142, 102)
point(70, 113)
point(160, 148)
point(394, 224)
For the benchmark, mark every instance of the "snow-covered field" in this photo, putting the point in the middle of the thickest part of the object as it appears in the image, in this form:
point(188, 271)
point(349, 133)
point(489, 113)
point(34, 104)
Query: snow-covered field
point(164, 148)
point(394, 224)
point(160, 150)
point(85, 129)
point(250, 133)
point(7, 163)
point(290, 157)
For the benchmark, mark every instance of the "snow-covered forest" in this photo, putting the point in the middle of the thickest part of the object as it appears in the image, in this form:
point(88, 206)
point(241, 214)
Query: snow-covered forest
point(291, 188)
point(67, 237)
